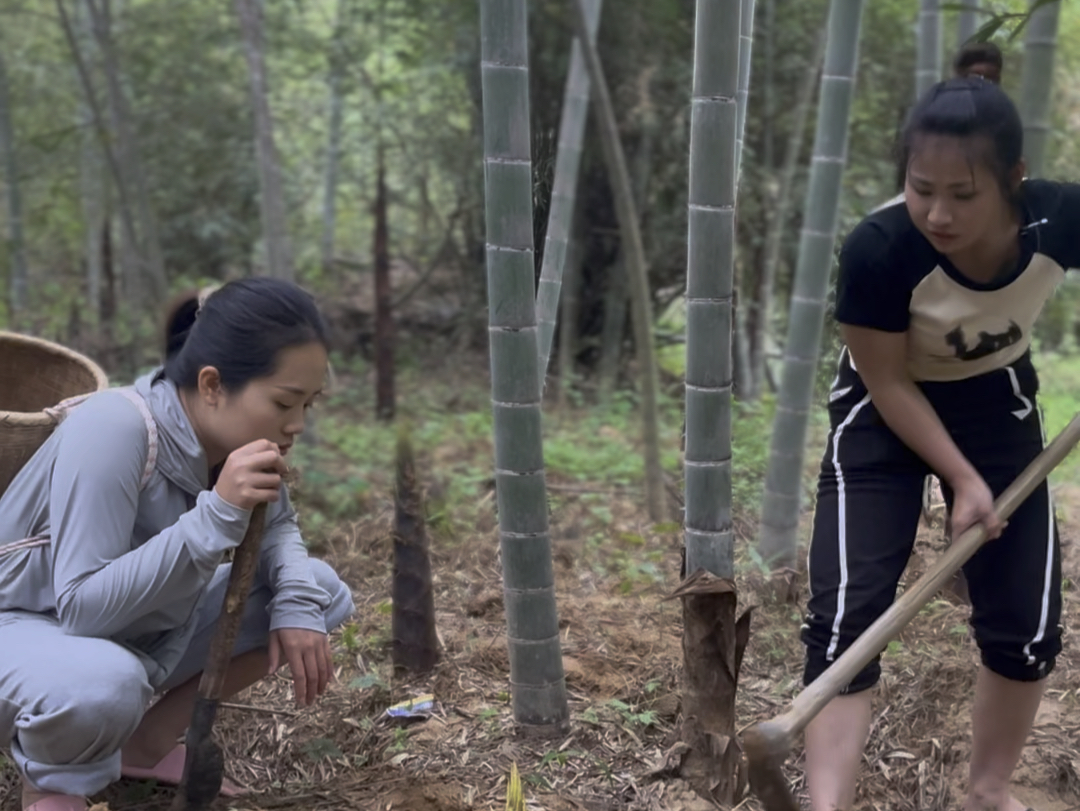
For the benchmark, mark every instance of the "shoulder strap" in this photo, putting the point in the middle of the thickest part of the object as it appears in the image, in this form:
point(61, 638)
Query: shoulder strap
point(62, 409)
point(152, 433)
point(58, 413)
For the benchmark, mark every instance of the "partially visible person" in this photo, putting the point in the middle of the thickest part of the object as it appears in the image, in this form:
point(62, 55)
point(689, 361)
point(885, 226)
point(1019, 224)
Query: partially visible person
point(937, 297)
point(979, 59)
point(112, 545)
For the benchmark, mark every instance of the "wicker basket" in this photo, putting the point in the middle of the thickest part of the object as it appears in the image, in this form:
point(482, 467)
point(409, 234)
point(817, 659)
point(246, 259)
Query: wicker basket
point(36, 375)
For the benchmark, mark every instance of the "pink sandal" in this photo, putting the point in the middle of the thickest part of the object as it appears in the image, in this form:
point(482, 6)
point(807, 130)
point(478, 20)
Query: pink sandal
point(58, 802)
point(168, 771)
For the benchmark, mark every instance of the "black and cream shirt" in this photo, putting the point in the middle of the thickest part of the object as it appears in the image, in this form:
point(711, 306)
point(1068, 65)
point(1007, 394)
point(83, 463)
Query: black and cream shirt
point(892, 279)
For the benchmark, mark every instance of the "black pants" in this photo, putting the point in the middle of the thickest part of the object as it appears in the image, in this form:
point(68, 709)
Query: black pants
point(868, 507)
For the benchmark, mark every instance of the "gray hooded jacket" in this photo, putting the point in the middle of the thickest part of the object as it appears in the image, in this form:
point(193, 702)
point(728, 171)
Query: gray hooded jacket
point(131, 565)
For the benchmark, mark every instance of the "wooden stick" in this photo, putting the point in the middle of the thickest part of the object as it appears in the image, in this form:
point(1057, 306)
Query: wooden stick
point(204, 766)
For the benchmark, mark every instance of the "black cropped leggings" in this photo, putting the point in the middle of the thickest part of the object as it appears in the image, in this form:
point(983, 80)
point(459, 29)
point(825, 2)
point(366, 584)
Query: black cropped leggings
point(868, 507)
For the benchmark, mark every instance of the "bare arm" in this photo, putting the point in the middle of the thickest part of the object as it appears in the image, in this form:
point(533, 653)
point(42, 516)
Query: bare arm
point(881, 359)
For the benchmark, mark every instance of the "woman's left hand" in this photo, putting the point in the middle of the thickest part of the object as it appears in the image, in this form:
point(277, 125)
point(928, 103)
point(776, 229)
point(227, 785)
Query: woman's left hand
point(307, 654)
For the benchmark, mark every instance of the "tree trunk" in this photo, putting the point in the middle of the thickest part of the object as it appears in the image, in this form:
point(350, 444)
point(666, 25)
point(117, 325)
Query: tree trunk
point(613, 328)
point(537, 682)
point(333, 146)
point(116, 314)
point(634, 251)
point(928, 53)
point(617, 297)
point(761, 304)
point(19, 282)
point(569, 303)
point(967, 22)
point(1038, 83)
point(151, 286)
point(279, 260)
point(415, 642)
point(92, 183)
point(384, 318)
point(769, 89)
point(108, 275)
point(740, 346)
point(564, 189)
point(783, 477)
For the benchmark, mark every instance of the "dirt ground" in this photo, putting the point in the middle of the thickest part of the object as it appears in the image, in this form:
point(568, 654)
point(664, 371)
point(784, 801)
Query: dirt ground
point(622, 651)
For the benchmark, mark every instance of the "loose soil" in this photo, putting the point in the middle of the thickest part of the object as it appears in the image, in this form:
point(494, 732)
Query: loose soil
point(622, 652)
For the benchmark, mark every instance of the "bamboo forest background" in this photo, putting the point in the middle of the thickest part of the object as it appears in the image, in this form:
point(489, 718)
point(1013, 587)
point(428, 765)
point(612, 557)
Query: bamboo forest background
point(403, 76)
point(377, 152)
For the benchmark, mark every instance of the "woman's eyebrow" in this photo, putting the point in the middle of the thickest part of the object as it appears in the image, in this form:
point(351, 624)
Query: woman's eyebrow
point(915, 178)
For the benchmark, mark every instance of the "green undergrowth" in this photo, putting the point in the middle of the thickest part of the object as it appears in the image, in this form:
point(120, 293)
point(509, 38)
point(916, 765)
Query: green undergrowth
point(348, 472)
point(1059, 383)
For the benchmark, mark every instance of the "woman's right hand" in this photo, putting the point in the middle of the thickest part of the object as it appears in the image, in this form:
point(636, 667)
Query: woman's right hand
point(252, 475)
point(973, 503)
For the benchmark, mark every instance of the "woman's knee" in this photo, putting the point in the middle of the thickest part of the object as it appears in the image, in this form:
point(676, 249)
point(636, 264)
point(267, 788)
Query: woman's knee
point(89, 715)
point(1018, 661)
point(341, 600)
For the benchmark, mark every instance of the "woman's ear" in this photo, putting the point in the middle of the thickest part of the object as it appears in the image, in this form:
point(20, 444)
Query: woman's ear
point(1016, 177)
point(210, 390)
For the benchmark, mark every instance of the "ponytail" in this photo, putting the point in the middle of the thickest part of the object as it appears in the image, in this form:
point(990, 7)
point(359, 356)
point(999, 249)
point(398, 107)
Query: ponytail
point(179, 319)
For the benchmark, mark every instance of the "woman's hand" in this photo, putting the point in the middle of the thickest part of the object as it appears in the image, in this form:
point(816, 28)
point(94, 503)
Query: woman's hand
point(973, 503)
point(252, 474)
point(308, 655)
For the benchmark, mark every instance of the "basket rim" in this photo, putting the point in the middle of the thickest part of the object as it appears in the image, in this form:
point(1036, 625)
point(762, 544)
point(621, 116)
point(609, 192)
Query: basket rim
point(33, 419)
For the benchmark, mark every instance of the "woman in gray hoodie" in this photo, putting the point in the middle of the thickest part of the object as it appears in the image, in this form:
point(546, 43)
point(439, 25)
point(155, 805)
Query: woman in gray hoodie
point(112, 539)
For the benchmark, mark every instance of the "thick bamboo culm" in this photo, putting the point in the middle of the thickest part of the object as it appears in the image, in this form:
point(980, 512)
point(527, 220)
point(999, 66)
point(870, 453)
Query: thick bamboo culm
point(538, 685)
point(783, 476)
point(709, 284)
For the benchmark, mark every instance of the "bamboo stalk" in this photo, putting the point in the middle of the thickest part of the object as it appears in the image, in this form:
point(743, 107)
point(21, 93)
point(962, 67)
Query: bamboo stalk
point(783, 477)
point(714, 121)
point(575, 111)
point(774, 239)
point(634, 251)
point(538, 686)
point(746, 45)
point(928, 52)
point(279, 254)
point(19, 282)
point(1037, 84)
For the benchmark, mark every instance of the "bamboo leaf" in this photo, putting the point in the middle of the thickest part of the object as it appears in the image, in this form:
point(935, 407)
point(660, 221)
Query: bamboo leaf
point(987, 30)
point(1026, 18)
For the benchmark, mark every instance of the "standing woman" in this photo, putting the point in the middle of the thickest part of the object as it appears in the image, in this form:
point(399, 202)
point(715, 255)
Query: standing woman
point(937, 297)
point(112, 539)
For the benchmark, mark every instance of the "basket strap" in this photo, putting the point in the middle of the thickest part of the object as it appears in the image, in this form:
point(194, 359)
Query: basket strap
point(152, 434)
point(61, 410)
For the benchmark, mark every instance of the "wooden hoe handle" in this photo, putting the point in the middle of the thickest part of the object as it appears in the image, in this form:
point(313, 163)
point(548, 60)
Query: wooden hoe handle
point(204, 766)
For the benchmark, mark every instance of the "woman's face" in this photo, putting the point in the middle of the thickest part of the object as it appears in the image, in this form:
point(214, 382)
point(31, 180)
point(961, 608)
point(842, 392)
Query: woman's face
point(953, 198)
point(270, 407)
